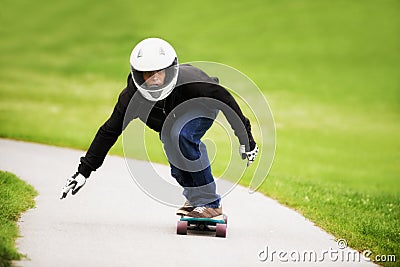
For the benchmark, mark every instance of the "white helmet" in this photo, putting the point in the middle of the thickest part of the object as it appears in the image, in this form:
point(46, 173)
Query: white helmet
point(154, 54)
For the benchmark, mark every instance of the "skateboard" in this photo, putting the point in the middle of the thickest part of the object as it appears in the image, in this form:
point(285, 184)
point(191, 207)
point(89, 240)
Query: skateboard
point(217, 224)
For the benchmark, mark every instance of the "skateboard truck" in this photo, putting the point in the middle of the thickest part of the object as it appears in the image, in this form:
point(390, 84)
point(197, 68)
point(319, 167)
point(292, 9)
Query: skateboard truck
point(217, 224)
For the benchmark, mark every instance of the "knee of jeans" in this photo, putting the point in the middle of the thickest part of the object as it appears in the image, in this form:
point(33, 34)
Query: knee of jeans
point(185, 136)
point(188, 148)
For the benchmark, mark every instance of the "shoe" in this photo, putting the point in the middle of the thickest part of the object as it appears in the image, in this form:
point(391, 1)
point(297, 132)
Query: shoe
point(185, 209)
point(204, 212)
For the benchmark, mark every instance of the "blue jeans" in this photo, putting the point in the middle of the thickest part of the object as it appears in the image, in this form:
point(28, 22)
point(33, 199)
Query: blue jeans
point(189, 161)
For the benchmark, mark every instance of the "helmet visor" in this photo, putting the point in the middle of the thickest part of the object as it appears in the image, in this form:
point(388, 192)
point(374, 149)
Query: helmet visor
point(155, 82)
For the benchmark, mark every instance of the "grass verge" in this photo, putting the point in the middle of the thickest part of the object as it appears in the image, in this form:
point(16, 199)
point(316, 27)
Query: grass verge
point(15, 197)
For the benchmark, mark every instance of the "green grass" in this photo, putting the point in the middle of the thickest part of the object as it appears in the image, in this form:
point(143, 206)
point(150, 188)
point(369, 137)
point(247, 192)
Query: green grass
point(15, 197)
point(329, 70)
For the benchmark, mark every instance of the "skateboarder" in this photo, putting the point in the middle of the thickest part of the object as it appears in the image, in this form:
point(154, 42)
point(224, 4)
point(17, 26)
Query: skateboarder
point(180, 102)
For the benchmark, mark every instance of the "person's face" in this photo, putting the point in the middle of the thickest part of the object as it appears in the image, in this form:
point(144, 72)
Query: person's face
point(155, 77)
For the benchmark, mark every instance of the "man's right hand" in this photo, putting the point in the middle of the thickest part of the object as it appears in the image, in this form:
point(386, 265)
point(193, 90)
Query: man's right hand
point(75, 183)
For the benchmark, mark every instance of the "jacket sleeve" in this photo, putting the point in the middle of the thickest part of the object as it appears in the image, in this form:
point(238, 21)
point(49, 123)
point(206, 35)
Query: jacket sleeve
point(228, 105)
point(106, 136)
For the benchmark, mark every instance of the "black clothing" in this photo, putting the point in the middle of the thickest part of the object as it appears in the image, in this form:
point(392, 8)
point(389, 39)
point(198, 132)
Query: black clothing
point(192, 83)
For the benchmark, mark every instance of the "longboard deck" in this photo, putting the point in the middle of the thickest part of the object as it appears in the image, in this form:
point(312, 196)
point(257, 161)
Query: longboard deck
point(208, 221)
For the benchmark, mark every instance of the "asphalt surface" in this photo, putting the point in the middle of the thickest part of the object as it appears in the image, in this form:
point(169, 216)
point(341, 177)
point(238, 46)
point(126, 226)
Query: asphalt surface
point(111, 222)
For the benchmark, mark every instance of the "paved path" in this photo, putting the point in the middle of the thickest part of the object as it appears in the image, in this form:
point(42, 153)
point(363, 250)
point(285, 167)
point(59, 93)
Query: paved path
point(111, 222)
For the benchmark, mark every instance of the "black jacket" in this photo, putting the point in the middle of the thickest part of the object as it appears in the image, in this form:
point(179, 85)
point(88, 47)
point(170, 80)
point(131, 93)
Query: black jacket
point(192, 83)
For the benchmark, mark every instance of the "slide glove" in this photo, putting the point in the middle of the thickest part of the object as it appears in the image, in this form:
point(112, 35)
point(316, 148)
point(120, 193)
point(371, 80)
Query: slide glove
point(249, 155)
point(76, 182)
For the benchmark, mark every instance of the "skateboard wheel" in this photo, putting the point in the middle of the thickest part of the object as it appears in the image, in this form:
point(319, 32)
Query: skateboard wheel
point(220, 230)
point(181, 228)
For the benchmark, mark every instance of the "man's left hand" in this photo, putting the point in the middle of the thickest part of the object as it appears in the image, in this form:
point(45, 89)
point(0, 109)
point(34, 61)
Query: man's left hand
point(249, 155)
